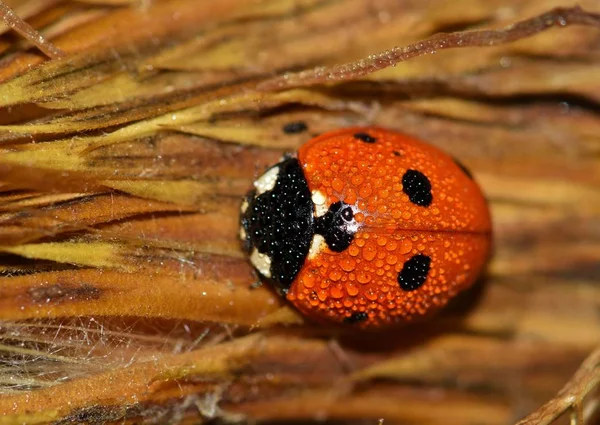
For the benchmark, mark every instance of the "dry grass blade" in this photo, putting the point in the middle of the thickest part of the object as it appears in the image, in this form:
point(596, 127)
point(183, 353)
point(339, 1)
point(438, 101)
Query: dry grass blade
point(124, 295)
point(585, 380)
point(559, 17)
point(11, 19)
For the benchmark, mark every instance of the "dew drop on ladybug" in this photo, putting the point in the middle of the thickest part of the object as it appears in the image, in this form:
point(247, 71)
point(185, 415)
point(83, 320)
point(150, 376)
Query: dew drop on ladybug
point(366, 227)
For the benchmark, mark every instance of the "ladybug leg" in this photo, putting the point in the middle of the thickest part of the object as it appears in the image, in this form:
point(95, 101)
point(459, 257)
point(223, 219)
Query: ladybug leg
point(338, 352)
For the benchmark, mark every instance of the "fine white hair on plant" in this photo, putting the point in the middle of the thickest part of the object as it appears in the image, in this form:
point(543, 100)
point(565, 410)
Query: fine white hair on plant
point(43, 353)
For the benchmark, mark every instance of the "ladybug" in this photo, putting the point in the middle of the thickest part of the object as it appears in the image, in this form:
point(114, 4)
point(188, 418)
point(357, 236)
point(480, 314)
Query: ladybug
point(368, 227)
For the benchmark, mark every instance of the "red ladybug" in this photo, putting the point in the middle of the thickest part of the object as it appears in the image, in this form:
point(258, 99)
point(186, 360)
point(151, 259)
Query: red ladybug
point(367, 227)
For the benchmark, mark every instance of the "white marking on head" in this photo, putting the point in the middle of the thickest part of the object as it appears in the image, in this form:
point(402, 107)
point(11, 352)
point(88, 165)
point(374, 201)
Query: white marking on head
point(243, 234)
point(354, 225)
point(319, 200)
point(317, 245)
point(267, 181)
point(262, 262)
point(244, 206)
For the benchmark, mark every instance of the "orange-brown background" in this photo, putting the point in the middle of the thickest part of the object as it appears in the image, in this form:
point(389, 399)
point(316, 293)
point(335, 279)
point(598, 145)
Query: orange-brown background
point(123, 291)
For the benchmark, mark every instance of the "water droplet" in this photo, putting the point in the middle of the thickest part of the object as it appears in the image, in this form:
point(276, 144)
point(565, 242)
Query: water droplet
point(371, 295)
point(365, 190)
point(369, 251)
point(337, 184)
point(348, 264)
point(308, 281)
point(352, 289)
point(322, 294)
point(406, 246)
point(363, 277)
point(335, 275)
point(336, 292)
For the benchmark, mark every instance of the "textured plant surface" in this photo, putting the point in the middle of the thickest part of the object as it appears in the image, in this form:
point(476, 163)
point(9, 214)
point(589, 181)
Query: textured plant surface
point(130, 132)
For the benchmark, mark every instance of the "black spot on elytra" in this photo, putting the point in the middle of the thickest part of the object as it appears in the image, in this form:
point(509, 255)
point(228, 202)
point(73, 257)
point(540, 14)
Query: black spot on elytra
point(279, 223)
point(295, 127)
point(396, 153)
point(364, 137)
point(418, 188)
point(414, 272)
point(356, 318)
point(463, 168)
point(335, 226)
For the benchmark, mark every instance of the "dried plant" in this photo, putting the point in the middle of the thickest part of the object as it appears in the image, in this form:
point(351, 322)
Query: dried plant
point(130, 130)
